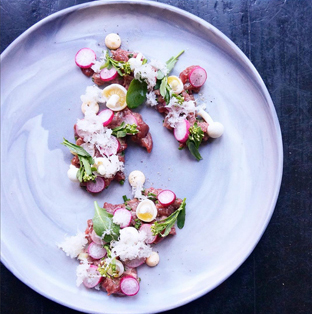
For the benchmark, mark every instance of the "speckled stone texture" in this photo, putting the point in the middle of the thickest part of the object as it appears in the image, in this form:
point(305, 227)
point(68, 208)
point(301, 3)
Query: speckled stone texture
point(276, 36)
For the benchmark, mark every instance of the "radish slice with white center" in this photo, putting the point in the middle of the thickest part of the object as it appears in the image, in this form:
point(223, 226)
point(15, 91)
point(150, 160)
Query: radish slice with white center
point(97, 186)
point(107, 116)
point(96, 251)
point(122, 217)
point(96, 239)
point(112, 148)
point(182, 131)
point(94, 277)
point(85, 57)
point(108, 74)
point(150, 238)
point(198, 76)
point(129, 286)
point(133, 263)
point(130, 119)
point(166, 197)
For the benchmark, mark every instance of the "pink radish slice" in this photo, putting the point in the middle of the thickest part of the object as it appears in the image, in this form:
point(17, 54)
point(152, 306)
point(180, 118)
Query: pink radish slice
point(85, 57)
point(182, 131)
point(97, 186)
point(130, 119)
point(96, 251)
point(122, 217)
point(198, 76)
point(107, 116)
point(147, 229)
point(129, 286)
point(108, 74)
point(93, 279)
point(96, 239)
point(112, 148)
point(133, 263)
point(166, 197)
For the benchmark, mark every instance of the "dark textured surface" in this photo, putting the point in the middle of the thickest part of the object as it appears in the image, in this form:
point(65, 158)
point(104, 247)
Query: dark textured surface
point(276, 36)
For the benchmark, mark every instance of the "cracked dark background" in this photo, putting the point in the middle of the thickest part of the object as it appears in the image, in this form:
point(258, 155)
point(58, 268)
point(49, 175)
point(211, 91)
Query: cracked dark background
point(276, 36)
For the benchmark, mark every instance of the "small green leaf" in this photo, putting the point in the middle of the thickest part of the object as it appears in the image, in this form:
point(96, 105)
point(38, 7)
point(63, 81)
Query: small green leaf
point(136, 94)
point(193, 150)
point(181, 216)
point(103, 224)
point(163, 87)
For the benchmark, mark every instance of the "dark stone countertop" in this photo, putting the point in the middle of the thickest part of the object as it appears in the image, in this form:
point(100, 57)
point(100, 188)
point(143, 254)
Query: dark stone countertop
point(277, 37)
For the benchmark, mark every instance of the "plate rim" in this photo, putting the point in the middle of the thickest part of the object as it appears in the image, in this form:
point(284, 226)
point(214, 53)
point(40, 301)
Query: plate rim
point(258, 81)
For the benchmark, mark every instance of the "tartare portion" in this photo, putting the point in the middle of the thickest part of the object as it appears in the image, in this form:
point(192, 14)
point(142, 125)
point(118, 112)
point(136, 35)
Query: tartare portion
point(122, 237)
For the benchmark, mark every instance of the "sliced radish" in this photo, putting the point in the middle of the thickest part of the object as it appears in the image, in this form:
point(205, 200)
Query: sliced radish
point(96, 239)
point(197, 76)
point(133, 263)
point(147, 229)
point(108, 74)
point(97, 186)
point(166, 197)
point(130, 119)
point(129, 286)
point(85, 57)
point(96, 251)
point(112, 148)
point(182, 131)
point(107, 116)
point(94, 277)
point(122, 217)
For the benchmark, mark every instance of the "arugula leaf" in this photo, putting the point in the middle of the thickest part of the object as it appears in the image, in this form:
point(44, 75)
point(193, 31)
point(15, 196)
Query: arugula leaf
point(194, 140)
point(125, 129)
point(136, 94)
point(172, 61)
point(103, 224)
point(163, 227)
point(85, 172)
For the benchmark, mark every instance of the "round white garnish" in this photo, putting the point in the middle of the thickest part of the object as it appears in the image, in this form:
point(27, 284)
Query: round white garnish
point(146, 210)
point(112, 41)
point(129, 235)
point(153, 259)
point(215, 129)
point(72, 173)
point(115, 96)
point(90, 106)
point(176, 84)
point(136, 177)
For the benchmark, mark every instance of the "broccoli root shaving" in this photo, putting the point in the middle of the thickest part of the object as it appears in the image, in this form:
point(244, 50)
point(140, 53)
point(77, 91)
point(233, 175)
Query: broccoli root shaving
point(163, 227)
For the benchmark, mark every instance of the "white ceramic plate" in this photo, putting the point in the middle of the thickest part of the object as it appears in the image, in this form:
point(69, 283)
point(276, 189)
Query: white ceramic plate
point(230, 194)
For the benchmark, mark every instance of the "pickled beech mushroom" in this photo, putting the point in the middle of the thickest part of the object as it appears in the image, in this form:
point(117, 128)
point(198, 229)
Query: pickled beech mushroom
point(215, 129)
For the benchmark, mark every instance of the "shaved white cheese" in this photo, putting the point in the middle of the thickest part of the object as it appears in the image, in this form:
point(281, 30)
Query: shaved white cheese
point(151, 99)
point(82, 271)
point(135, 62)
point(74, 245)
point(179, 112)
point(131, 245)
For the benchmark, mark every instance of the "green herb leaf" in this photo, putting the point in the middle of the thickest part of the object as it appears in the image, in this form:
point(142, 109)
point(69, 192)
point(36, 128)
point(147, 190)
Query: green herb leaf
point(136, 94)
point(163, 87)
point(163, 227)
point(124, 130)
point(125, 198)
point(194, 140)
point(103, 224)
point(172, 61)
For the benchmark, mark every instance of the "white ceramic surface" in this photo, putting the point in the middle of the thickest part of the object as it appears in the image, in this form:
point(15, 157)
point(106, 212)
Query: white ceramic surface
point(230, 194)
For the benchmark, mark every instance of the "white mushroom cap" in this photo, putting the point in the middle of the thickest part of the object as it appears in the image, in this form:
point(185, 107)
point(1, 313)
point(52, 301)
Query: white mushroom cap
point(136, 177)
point(112, 41)
point(153, 259)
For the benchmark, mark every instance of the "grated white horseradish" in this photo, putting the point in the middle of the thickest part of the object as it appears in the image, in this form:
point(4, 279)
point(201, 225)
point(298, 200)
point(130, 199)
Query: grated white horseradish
point(74, 245)
point(159, 65)
point(92, 95)
point(108, 166)
point(151, 99)
point(96, 67)
point(146, 73)
point(131, 245)
point(179, 112)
